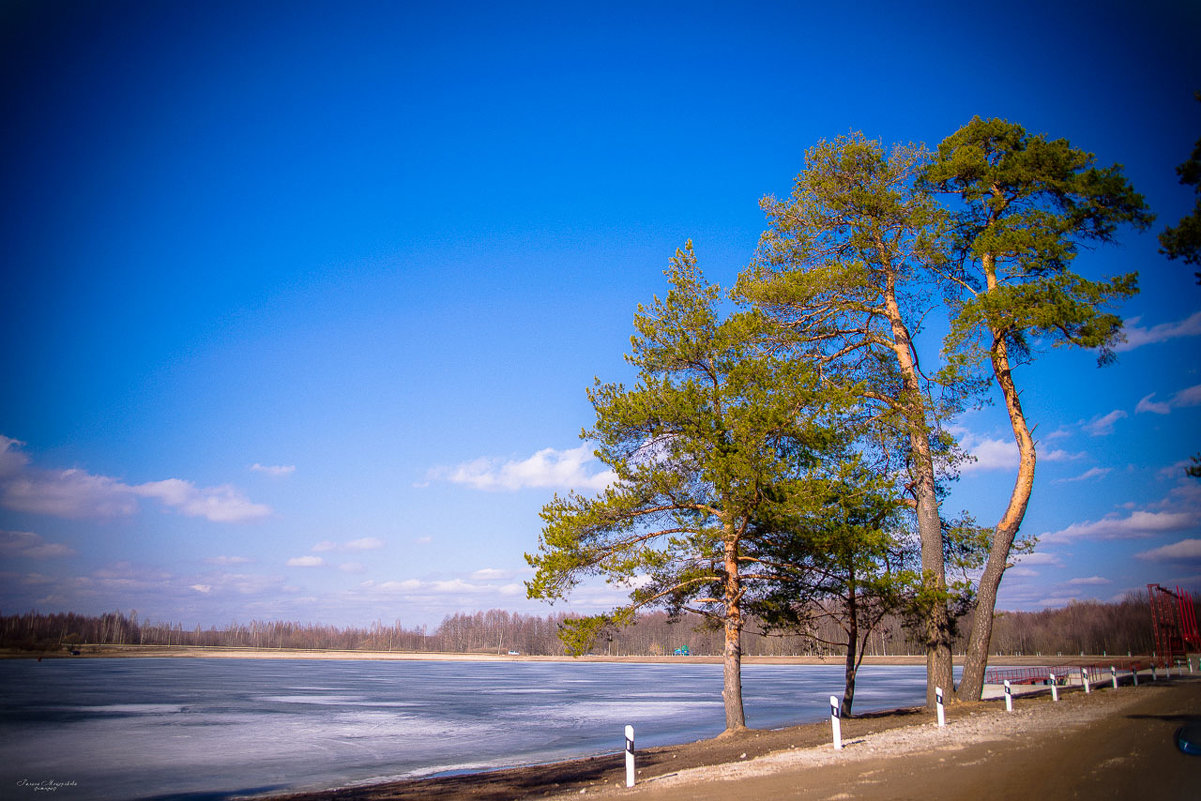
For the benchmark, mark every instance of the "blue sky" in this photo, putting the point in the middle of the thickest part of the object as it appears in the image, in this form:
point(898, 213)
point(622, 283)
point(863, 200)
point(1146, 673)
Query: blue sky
point(302, 299)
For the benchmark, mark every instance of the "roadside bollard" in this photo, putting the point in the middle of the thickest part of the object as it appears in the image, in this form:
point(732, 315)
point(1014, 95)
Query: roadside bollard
point(1008, 697)
point(1134, 674)
point(835, 723)
point(1113, 671)
point(942, 714)
point(629, 756)
point(1084, 678)
point(1054, 688)
point(1153, 676)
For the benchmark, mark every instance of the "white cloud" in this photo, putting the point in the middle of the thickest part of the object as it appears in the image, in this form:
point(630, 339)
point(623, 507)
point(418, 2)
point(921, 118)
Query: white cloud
point(1185, 398)
point(1090, 581)
point(223, 504)
point(1087, 475)
point(202, 588)
point(67, 493)
point(1060, 455)
point(986, 453)
point(1137, 524)
point(488, 573)
point(361, 544)
point(365, 544)
point(228, 560)
point(454, 586)
point(548, 468)
point(1001, 453)
point(1103, 426)
point(305, 561)
point(1137, 336)
point(352, 567)
point(1040, 558)
point(75, 493)
point(274, 470)
point(408, 585)
point(991, 454)
point(1022, 572)
point(1145, 404)
point(28, 545)
point(1188, 549)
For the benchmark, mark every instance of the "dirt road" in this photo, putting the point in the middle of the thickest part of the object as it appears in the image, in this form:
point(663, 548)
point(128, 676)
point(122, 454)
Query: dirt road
point(1113, 745)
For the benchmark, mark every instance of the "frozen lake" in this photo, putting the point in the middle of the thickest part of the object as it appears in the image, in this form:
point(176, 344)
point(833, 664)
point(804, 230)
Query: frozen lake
point(201, 729)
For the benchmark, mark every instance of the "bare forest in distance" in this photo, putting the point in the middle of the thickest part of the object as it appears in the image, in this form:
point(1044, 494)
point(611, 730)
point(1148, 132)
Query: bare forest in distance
point(1089, 627)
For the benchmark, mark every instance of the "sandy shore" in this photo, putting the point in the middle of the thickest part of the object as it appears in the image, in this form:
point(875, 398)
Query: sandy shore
point(185, 651)
point(1110, 744)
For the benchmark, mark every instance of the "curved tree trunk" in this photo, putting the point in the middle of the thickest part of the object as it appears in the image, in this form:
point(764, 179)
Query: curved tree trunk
point(976, 661)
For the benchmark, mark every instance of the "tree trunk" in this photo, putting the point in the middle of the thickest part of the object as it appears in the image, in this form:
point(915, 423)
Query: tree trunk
point(937, 623)
point(852, 663)
point(731, 691)
point(732, 655)
point(980, 639)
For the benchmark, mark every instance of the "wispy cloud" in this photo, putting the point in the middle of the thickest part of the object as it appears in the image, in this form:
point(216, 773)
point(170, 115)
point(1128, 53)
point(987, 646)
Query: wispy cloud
point(1181, 400)
point(1184, 550)
point(275, 470)
point(1136, 524)
point(361, 544)
point(223, 504)
point(1090, 581)
point(227, 560)
point(305, 561)
point(1040, 558)
point(26, 544)
point(1060, 455)
point(1137, 335)
point(1087, 475)
point(1103, 426)
point(75, 493)
point(548, 468)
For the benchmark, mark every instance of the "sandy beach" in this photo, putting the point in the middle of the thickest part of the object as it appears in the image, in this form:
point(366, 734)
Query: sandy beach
point(1109, 744)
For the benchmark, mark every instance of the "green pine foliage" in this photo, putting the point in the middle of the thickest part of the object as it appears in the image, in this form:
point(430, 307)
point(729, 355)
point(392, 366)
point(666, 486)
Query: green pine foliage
point(717, 433)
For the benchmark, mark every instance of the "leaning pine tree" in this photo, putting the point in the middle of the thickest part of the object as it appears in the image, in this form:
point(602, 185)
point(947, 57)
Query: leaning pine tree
point(712, 435)
point(1024, 207)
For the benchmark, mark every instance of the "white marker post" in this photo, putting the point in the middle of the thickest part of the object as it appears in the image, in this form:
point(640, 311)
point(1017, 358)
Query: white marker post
point(1134, 674)
point(942, 714)
point(835, 723)
point(1084, 678)
point(1113, 671)
point(1153, 676)
point(629, 756)
point(1054, 688)
point(1008, 697)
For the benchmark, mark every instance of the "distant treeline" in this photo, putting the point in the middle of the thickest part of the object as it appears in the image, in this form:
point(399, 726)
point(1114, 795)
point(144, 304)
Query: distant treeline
point(1088, 627)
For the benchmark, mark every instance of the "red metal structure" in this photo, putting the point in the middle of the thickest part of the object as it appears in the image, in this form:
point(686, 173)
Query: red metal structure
point(1174, 617)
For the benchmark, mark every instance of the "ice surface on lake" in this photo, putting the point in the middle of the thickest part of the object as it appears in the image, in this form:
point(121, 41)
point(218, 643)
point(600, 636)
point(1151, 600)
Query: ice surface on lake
point(164, 728)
